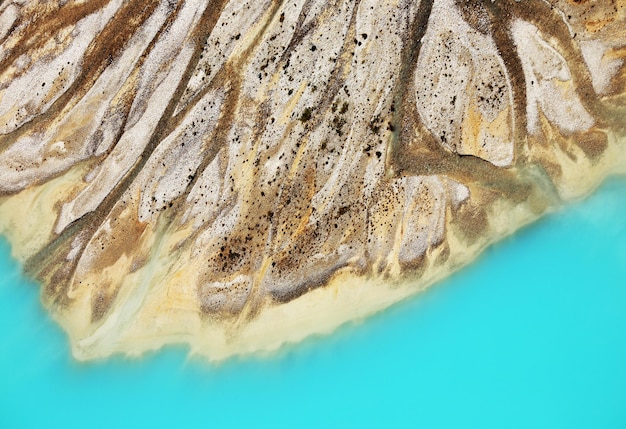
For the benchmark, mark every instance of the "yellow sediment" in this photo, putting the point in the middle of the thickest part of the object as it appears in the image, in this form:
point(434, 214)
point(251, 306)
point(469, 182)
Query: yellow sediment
point(28, 218)
point(170, 315)
point(169, 312)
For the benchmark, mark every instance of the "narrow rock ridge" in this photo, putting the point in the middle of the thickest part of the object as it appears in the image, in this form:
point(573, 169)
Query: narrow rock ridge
point(237, 175)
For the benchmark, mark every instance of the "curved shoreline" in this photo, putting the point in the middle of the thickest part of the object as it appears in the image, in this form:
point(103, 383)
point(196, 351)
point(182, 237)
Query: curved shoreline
point(347, 298)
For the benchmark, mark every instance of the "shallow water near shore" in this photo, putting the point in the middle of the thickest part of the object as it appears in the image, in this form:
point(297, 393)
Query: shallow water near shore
point(533, 334)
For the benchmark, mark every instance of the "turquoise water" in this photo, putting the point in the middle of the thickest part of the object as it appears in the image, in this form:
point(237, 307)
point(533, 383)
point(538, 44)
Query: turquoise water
point(533, 335)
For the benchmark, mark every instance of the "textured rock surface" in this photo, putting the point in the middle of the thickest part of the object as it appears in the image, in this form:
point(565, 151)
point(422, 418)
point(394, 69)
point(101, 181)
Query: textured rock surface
point(238, 174)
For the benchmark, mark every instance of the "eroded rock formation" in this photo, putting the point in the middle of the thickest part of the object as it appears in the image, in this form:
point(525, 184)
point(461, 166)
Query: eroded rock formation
point(237, 174)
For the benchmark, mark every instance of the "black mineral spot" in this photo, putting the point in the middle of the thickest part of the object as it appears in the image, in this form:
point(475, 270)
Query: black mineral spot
point(306, 115)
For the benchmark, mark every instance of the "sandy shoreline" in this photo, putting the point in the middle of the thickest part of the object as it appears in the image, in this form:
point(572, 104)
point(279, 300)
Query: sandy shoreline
point(347, 298)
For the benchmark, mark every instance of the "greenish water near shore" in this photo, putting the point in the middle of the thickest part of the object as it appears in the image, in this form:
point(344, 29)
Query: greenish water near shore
point(532, 335)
